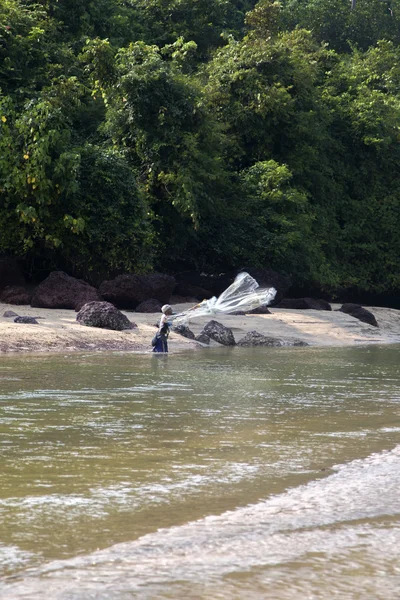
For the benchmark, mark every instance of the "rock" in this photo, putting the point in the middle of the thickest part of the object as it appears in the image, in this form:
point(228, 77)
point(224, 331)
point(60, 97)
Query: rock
point(10, 313)
point(193, 291)
point(304, 304)
point(149, 306)
point(253, 338)
point(260, 310)
point(103, 315)
point(15, 294)
point(28, 320)
point(128, 291)
point(201, 285)
point(10, 273)
point(357, 311)
point(239, 313)
point(184, 330)
point(60, 290)
point(202, 338)
point(219, 333)
point(182, 300)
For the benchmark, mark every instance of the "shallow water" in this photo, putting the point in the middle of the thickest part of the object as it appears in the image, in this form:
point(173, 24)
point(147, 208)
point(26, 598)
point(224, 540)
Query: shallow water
point(269, 474)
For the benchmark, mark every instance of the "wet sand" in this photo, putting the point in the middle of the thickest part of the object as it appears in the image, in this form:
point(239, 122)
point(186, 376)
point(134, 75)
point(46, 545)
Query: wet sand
point(58, 330)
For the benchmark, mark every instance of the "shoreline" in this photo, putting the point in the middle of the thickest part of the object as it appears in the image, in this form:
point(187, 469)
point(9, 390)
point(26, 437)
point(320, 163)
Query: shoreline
point(58, 330)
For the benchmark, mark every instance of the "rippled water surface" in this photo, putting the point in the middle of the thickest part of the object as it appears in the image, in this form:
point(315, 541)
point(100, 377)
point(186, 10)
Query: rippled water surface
point(268, 474)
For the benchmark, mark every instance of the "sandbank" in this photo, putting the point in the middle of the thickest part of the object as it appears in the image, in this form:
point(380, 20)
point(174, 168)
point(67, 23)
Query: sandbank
point(58, 331)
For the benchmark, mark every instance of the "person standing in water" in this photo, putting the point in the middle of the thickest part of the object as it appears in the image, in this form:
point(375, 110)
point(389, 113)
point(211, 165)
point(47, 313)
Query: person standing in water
point(161, 337)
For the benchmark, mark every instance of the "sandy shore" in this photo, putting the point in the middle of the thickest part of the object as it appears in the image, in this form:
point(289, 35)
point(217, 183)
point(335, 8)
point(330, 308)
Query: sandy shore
point(59, 331)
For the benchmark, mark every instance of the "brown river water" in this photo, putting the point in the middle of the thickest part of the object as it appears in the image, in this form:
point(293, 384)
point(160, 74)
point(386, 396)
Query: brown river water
point(268, 474)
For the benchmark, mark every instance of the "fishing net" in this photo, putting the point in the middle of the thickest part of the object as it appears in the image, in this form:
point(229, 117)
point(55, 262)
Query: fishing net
point(244, 294)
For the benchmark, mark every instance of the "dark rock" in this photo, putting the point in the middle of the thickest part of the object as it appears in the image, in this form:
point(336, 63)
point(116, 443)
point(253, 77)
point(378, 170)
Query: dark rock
point(149, 306)
point(304, 304)
point(253, 338)
point(202, 338)
point(219, 333)
point(103, 315)
point(360, 313)
point(10, 273)
point(28, 320)
point(127, 291)
point(182, 300)
point(60, 290)
point(201, 285)
point(184, 330)
point(260, 310)
point(239, 313)
point(15, 294)
point(10, 313)
point(194, 291)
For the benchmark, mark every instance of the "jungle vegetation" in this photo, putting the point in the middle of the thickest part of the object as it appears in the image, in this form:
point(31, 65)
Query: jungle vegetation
point(140, 135)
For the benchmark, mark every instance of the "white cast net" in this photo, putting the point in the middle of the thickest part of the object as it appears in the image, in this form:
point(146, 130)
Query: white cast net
point(243, 294)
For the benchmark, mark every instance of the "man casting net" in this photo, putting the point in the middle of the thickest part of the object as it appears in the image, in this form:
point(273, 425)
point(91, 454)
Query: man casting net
point(244, 294)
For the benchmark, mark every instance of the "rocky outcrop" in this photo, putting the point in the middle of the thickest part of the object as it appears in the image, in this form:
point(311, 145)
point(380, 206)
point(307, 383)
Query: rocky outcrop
point(149, 306)
point(203, 339)
point(103, 315)
point(253, 338)
point(15, 294)
point(128, 291)
point(219, 333)
point(60, 290)
point(304, 304)
point(27, 320)
point(260, 310)
point(360, 313)
point(184, 330)
point(9, 313)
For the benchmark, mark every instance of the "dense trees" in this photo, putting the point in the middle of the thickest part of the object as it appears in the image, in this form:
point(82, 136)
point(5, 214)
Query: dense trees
point(208, 134)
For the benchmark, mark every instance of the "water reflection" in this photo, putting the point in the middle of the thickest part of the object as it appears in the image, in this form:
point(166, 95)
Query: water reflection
point(99, 450)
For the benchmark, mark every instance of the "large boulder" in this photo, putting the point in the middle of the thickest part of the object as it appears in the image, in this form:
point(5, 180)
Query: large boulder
point(253, 338)
point(219, 333)
point(103, 315)
point(128, 291)
point(201, 285)
point(60, 290)
point(357, 311)
point(149, 306)
point(184, 331)
point(10, 273)
point(304, 304)
point(15, 294)
point(260, 310)
point(203, 339)
point(26, 320)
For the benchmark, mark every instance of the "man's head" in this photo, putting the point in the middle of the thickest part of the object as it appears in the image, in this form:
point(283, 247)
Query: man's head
point(166, 309)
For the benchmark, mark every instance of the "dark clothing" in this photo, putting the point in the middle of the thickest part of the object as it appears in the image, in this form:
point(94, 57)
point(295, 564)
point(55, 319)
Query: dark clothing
point(161, 343)
point(161, 339)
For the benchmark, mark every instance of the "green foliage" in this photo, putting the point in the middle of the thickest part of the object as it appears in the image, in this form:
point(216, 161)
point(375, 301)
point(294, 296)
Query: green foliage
point(202, 133)
point(334, 22)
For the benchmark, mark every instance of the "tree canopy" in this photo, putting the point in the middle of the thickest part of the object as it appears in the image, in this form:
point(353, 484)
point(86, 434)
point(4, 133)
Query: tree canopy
point(207, 134)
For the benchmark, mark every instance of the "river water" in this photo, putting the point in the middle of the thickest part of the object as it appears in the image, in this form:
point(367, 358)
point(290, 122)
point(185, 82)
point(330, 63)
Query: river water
point(267, 474)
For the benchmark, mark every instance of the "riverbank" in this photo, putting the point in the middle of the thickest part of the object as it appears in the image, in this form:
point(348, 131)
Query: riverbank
point(58, 330)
